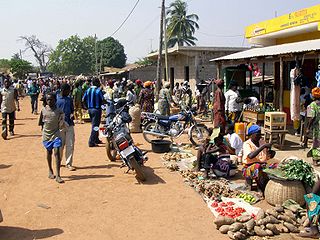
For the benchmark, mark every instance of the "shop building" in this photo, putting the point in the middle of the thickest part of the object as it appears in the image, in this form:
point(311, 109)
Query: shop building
point(281, 42)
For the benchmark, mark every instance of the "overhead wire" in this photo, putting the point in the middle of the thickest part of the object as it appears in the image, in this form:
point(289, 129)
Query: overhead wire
point(222, 36)
point(124, 21)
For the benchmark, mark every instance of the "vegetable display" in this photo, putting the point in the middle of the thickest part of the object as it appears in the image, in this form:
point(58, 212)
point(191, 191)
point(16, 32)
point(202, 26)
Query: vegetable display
point(299, 170)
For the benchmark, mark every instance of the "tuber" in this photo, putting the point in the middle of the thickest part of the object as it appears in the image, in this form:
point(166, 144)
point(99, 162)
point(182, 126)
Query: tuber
point(250, 225)
point(269, 232)
point(244, 218)
point(286, 219)
point(260, 232)
point(278, 208)
point(224, 229)
point(272, 212)
point(235, 227)
point(260, 215)
point(220, 220)
point(291, 227)
point(273, 228)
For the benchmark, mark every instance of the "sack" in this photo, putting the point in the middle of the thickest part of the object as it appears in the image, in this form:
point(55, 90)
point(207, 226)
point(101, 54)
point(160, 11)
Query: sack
point(135, 113)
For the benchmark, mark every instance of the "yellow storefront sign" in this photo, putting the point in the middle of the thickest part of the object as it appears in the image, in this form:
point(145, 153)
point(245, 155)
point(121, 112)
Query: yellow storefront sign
point(298, 18)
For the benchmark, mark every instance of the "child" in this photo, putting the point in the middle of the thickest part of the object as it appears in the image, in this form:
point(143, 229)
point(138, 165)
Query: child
point(52, 120)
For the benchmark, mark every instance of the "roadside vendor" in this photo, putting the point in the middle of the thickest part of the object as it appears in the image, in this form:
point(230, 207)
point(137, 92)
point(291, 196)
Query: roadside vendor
point(256, 153)
point(214, 154)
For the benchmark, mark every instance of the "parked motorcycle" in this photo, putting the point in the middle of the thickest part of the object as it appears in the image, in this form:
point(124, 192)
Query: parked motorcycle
point(160, 127)
point(146, 118)
point(119, 140)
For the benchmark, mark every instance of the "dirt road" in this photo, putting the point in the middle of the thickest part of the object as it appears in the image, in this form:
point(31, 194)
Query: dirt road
point(98, 201)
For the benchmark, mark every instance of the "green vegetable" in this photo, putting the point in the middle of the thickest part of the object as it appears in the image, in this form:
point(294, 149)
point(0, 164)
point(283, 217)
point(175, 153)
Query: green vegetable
point(299, 170)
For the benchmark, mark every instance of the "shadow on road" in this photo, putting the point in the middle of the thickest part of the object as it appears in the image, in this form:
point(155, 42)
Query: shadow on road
point(82, 177)
point(100, 166)
point(26, 136)
point(3, 166)
point(151, 177)
point(12, 233)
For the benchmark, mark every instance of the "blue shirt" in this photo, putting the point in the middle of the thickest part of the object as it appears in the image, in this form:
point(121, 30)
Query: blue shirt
point(93, 97)
point(66, 105)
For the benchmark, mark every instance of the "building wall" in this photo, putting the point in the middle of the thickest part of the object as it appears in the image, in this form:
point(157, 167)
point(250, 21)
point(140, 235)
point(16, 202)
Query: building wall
point(147, 73)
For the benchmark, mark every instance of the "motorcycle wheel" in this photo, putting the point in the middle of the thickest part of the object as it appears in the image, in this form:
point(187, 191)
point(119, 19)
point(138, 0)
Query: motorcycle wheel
point(198, 134)
point(148, 137)
point(111, 152)
point(137, 168)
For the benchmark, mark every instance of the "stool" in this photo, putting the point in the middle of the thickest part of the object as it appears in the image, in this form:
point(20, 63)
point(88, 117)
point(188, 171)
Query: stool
point(278, 135)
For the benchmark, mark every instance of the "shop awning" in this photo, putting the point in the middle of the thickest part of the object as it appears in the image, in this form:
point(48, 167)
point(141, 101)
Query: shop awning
point(297, 47)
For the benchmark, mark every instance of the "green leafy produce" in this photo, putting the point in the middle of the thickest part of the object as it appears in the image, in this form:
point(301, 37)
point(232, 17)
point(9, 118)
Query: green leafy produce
point(299, 170)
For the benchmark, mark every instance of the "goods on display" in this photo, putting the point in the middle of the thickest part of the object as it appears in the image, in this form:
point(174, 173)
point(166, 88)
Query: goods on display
point(267, 223)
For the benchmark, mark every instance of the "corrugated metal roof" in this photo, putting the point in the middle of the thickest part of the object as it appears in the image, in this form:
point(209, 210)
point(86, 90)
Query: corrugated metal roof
point(304, 46)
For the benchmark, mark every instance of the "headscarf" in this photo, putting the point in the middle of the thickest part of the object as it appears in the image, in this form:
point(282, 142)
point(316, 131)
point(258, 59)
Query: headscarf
point(139, 82)
point(167, 85)
point(254, 129)
point(316, 92)
point(110, 83)
point(147, 84)
point(219, 81)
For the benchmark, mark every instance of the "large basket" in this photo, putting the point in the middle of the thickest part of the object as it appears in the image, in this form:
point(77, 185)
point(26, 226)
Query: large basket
point(278, 191)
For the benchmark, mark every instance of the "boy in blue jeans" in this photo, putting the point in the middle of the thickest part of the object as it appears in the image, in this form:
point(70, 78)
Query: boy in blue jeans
point(52, 120)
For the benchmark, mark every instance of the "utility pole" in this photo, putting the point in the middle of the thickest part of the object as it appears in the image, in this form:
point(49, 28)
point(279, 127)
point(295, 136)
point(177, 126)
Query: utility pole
point(96, 53)
point(166, 48)
point(159, 83)
point(151, 49)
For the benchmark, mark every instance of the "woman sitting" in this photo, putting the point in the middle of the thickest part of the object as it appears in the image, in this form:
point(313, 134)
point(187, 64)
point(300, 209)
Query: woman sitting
point(256, 153)
point(214, 155)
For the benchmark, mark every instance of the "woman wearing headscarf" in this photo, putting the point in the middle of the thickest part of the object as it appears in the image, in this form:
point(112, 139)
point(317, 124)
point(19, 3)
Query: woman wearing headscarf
point(219, 106)
point(146, 97)
point(138, 87)
point(165, 100)
point(256, 153)
point(314, 124)
point(131, 95)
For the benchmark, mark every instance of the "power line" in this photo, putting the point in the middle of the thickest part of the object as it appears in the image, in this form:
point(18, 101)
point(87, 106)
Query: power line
point(125, 19)
point(222, 36)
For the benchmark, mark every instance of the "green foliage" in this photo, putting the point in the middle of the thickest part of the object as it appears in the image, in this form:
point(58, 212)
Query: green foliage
point(20, 67)
point(299, 170)
point(145, 62)
point(17, 66)
point(181, 26)
point(113, 54)
point(4, 65)
point(73, 56)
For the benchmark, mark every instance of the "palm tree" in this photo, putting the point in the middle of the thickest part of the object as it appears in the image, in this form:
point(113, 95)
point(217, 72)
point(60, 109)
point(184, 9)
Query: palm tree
point(181, 27)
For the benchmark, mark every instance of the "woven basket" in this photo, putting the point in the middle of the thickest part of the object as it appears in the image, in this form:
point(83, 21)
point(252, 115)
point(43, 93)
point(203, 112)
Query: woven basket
point(278, 191)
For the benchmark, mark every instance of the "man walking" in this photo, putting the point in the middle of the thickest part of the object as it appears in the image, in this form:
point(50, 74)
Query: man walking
point(64, 102)
point(33, 92)
point(8, 102)
point(93, 99)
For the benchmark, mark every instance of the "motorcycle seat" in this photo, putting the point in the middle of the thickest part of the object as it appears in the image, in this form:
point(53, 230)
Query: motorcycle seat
point(171, 118)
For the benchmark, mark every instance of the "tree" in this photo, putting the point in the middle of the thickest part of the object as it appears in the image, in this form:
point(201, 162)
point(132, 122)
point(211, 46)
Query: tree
point(145, 62)
point(20, 67)
point(5, 65)
point(113, 54)
point(73, 56)
point(40, 50)
point(181, 26)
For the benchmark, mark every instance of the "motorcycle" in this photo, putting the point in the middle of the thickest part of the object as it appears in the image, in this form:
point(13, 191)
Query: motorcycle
point(146, 118)
point(173, 126)
point(119, 140)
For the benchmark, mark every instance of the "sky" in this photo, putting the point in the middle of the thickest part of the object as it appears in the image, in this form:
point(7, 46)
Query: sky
point(222, 23)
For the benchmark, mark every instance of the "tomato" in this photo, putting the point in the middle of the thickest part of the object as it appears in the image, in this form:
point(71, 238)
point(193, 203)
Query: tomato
point(230, 203)
point(214, 204)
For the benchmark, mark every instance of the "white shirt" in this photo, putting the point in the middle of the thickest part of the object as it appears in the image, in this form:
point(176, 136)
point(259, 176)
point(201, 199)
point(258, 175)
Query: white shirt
point(254, 103)
point(231, 104)
point(235, 142)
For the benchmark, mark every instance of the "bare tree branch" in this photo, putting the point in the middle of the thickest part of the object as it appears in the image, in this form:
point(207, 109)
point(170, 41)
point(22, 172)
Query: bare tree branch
point(41, 50)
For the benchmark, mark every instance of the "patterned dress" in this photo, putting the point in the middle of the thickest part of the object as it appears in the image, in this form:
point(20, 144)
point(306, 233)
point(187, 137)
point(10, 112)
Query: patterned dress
point(164, 101)
point(315, 113)
point(146, 100)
